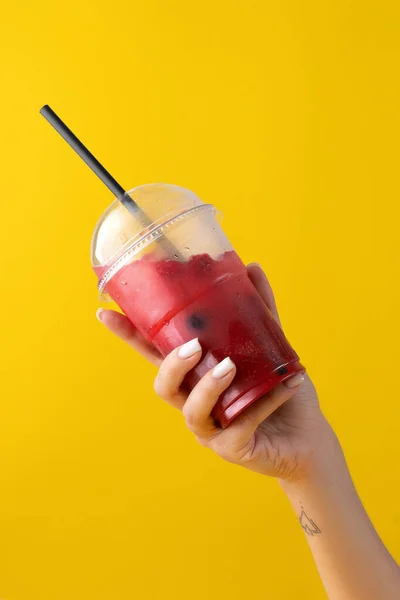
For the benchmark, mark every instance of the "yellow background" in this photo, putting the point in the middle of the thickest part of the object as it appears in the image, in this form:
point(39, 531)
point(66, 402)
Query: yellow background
point(286, 116)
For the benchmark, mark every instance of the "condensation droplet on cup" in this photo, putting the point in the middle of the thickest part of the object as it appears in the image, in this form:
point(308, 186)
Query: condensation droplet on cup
point(123, 282)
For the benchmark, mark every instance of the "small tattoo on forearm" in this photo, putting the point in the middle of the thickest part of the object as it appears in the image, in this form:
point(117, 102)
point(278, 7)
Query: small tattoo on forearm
point(308, 524)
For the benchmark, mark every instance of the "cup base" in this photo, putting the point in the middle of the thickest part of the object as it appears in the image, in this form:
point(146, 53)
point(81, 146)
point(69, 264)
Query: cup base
point(248, 398)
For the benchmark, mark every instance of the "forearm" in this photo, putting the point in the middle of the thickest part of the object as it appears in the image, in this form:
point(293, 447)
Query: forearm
point(351, 559)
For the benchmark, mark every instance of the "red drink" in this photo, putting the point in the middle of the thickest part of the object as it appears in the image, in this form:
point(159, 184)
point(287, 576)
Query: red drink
point(171, 302)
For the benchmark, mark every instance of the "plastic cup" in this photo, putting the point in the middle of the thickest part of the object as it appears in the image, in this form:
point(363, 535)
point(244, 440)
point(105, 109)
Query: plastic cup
point(179, 278)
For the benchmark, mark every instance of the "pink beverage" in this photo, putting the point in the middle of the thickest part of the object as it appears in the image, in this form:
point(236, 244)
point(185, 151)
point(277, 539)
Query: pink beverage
point(173, 292)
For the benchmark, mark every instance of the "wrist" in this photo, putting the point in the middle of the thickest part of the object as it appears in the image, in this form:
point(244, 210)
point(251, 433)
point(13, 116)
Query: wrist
point(324, 466)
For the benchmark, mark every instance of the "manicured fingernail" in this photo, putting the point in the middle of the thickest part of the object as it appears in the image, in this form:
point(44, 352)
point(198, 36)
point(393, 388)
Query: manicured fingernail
point(294, 381)
point(223, 368)
point(189, 349)
point(99, 313)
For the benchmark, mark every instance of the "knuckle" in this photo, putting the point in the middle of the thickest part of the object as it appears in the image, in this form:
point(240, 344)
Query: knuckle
point(157, 387)
point(189, 416)
point(164, 379)
point(161, 381)
point(208, 386)
point(203, 442)
point(223, 451)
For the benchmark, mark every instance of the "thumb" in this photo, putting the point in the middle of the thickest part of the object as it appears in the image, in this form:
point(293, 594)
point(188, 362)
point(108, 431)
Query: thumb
point(245, 425)
point(261, 283)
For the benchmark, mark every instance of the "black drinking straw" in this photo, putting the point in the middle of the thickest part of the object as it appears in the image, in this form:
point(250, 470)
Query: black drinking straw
point(108, 180)
point(94, 164)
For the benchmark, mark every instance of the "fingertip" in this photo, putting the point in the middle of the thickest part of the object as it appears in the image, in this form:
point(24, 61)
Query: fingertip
point(257, 273)
point(99, 314)
point(109, 317)
point(190, 349)
point(116, 322)
point(224, 368)
point(294, 382)
point(255, 265)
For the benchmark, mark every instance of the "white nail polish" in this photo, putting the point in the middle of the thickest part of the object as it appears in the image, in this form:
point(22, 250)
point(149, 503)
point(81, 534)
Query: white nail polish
point(294, 381)
point(99, 313)
point(189, 349)
point(223, 368)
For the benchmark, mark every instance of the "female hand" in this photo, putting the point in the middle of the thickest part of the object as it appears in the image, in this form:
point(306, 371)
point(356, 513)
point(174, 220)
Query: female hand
point(282, 434)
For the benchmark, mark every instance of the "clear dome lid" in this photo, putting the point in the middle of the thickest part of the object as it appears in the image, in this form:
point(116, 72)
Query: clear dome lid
point(118, 230)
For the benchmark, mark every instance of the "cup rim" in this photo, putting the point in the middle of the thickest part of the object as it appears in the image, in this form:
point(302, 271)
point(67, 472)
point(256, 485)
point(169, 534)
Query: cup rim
point(146, 237)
